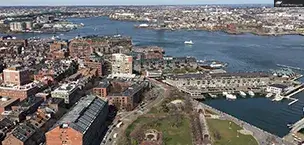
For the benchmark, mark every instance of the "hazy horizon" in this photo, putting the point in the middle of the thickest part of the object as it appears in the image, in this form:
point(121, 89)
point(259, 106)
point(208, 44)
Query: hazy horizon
point(123, 2)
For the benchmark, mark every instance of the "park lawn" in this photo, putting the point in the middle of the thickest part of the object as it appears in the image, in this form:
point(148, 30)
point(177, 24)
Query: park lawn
point(171, 135)
point(228, 136)
point(176, 135)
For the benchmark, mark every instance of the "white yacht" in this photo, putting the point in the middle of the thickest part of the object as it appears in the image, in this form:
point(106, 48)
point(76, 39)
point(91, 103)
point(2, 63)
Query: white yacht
point(277, 97)
point(225, 93)
point(251, 93)
point(213, 95)
point(189, 42)
point(243, 94)
point(268, 95)
point(231, 96)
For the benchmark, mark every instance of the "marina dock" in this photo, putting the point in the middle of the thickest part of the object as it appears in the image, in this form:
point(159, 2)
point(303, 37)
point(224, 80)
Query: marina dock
point(294, 101)
point(291, 67)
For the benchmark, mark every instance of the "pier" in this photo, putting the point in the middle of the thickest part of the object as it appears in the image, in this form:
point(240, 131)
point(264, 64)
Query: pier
point(291, 67)
point(293, 92)
point(292, 102)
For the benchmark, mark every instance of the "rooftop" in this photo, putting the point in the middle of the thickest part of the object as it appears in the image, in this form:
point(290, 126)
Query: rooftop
point(83, 114)
point(30, 101)
point(16, 87)
point(24, 131)
point(130, 91)
point(104, 83)
point(5, 101)
point(65, 88)
point(281, 86)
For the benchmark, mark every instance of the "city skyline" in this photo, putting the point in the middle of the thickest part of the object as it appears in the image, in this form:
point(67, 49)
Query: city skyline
point(131, 2)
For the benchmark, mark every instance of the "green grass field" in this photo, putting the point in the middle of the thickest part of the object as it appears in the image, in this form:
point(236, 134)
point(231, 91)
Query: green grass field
point(171, 135)
point(222, 135)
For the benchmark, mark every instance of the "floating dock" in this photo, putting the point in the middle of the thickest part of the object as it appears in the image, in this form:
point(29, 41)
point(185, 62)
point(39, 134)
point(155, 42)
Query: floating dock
point(294, 101)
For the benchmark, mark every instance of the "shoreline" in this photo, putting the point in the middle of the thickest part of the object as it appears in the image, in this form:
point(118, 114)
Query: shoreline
point(247, 126)
point(208, 30)
point(229, 32)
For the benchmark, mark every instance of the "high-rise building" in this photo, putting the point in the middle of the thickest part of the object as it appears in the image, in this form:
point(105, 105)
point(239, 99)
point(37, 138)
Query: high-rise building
point(83, 125)
point(121, 64)
point(17, 76)
point(16, 26)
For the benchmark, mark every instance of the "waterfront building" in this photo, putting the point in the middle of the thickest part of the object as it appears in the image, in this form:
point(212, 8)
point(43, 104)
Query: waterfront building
point(84, 47)
point(121, 64)
point(219, 82)
point(167, 64)
point(80, 48)
point(276, 88)
point(17, 26)
point(65, 92)
point(150, 52)
point(84, 124)
point(17, 76)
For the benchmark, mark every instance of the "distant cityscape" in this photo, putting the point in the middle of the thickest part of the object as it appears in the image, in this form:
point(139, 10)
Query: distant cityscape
point(106, 90)
point(256, 19)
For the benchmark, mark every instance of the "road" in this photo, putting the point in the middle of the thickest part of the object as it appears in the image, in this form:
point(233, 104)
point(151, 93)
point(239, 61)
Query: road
point(129, 117)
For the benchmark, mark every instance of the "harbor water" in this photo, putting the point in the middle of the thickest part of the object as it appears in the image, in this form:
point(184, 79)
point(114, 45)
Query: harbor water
point(243, 53)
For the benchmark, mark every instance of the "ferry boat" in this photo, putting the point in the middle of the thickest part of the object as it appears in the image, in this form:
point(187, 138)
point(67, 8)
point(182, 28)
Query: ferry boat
point(251, 93)
point(231, 96)
point(243, 94)
point(189, 42)
point(211, 64)
point(268, 95)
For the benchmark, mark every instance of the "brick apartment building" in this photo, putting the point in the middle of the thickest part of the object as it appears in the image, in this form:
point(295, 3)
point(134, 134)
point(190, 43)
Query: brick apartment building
point(17, 76)
point(95, 64)
point(20, 92)
point(80, 48)
point(128, 99)
point(59, 50)
point(24, 134)
point(83, 125)
point(102, 89)
point(6, 103)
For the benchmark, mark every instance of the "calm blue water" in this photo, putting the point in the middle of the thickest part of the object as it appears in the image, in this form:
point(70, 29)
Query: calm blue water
point(242, 52)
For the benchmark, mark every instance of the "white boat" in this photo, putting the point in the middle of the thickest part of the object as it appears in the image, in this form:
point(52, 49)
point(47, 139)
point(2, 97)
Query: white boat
point(251, 93)
point(143, 25)
point(225, 93)
point(189, 42)
point(277, 97)
point(268, 95)
point(213, 95)
point(118, 35)
point(243, 94)
point(231, 97)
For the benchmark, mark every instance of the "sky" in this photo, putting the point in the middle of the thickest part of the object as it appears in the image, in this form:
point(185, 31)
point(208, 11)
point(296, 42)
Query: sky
point(128, 2)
